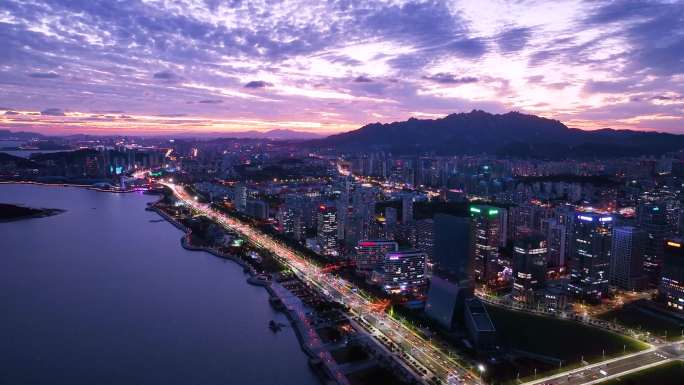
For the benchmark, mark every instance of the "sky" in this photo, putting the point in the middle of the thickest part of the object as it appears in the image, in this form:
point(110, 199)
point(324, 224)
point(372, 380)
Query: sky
point(172, 66)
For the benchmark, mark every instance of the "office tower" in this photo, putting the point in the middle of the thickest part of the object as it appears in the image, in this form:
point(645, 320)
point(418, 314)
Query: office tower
point(652, 218)
point(240, 197)
point(451, 246)
point(423, 237)
point(555, 243)
point(529, 267)
point(327, 230)
point(286, 220)
point(403, 272)
point(672, 281)
point(369, 254)
point(590, 256)
point(485, 236)
point(446, 300)
point(407, 208)
point(627, 258)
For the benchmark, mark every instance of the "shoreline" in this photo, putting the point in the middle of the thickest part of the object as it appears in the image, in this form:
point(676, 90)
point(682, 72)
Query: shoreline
point(323, 373)
point(60, 184)
point(34, 212)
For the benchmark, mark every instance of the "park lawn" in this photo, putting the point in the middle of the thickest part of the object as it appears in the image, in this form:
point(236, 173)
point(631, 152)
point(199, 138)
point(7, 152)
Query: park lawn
point(633, 318)
point(565, 340)
point(671, 373)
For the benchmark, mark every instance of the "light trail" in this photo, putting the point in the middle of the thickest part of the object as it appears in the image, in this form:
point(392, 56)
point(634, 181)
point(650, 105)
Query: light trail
point(422, 353)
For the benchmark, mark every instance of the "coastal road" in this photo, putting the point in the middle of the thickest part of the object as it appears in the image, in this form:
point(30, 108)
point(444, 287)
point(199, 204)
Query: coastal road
point(420, 354)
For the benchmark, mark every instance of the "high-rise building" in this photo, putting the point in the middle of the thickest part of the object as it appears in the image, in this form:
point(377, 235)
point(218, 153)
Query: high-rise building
point(590, 256)
point(286, 220)
point(672, 281)
point(555, 242)
point(421, 235)
point(327, 230)
point(403, 272)
point(485, 238)
point(240, 197)
point(652, 218)
point(451, 246)
point(627, 258)
point(529, 267)
point(407, 208)
point(369, 254)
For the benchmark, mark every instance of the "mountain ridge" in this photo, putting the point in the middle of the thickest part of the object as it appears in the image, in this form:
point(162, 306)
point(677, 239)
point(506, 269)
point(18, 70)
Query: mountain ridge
point(511, 134)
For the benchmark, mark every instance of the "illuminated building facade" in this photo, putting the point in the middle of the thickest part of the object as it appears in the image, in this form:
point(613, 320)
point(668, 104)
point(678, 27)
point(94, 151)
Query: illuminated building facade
point(590, 255)
point(672, 280)
point(485, 235)
point(627, 258)
point(529, 267)
point(369, 254)
point(327, 230)
point(403, 272)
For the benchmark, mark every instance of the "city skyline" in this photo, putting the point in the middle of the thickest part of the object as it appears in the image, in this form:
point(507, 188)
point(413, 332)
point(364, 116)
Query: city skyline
point(164, 67)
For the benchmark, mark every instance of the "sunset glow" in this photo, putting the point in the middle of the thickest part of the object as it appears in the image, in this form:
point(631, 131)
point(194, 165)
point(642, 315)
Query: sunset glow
point(169, 66)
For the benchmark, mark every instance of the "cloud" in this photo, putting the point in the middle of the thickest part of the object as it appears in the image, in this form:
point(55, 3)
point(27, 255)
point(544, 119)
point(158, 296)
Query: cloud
point(52, 112)
point(446, 78)
point(11, 113)
point(211, 101)
point(43, 75)
point(165, 75)
point(514, 39)
point(255, 84)
point(362, 79)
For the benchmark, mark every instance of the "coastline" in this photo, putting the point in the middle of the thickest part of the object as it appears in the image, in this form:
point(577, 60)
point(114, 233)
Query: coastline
point(32, 212)
point(319, 367)
point(61, 184)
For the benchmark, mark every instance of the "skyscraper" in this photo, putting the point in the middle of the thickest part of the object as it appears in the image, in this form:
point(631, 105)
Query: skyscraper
point(627, 258)
point(407, 208)
point(590, 256)
point(485, 236)
point(672, 282)
point(451, 245)
point(529, 267)
point(555, 242)
point(652, 218)
point(327, 230)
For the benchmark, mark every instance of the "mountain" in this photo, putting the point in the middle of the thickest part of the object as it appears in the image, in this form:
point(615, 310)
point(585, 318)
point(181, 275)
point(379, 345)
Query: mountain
point(511, 134)
point(18, 135)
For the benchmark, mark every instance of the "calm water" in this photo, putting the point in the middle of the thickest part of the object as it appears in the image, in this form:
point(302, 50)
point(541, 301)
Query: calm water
point(99, 295)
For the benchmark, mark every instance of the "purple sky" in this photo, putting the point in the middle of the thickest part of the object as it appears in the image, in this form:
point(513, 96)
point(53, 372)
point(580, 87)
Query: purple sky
point(142, 66)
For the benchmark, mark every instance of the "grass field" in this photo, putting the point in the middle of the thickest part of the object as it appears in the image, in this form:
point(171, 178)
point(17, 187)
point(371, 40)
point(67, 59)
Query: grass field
point(638, 320)
point(564, 340)
point(671, 373)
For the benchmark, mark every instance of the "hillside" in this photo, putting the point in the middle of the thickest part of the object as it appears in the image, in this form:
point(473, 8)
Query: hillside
point(511, 134)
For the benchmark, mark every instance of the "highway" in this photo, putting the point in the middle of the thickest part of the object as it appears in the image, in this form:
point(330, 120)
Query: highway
point(599, 372)
point(421, 355)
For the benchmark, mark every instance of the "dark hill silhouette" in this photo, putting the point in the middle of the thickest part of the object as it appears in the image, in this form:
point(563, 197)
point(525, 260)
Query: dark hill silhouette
point(510, 134)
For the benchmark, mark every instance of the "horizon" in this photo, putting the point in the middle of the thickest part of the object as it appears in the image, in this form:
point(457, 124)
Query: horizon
point(155, 68)
point(305, 135)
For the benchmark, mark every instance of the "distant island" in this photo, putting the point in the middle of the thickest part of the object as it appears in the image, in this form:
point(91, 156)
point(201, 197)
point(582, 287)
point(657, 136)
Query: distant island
point(9, 212)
